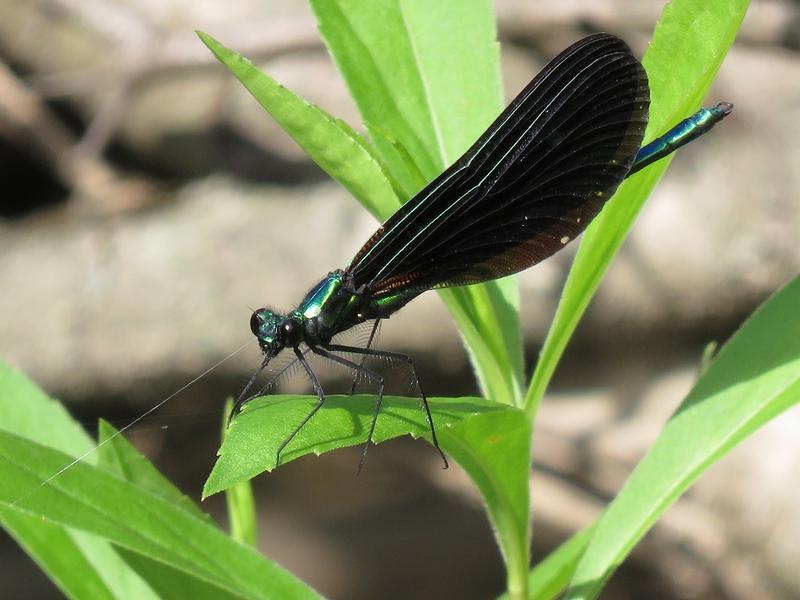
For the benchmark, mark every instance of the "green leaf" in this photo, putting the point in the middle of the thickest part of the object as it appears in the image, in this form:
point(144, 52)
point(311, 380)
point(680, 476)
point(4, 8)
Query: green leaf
point(755, 377)
point(239, 499)
point(330, 142)
point(82, 566)
point(487, 316)
point(118, 456)
point(105, 560)
point(255, 434)
point(550, 577)
point(173, 583)
point(688, 47)
point(55, 551)
point(29, 412)
point(428, 73)
point(491, 441)
point(92, 500)
point(413, 179)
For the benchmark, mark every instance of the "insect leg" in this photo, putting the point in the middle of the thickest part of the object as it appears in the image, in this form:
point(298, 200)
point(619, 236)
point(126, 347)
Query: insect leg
point(410, 361)
point(372, 375)
point(242, 399)
point(320, 394)
point(364, 356)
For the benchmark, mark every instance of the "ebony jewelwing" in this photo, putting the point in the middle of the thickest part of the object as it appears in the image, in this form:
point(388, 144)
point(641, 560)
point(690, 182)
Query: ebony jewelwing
point(530, 184)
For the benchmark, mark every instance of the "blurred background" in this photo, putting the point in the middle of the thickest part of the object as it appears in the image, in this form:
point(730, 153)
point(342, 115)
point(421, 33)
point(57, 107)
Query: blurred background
point(149, 205)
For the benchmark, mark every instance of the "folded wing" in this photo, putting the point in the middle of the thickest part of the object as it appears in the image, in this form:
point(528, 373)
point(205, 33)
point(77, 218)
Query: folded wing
point(529, 185)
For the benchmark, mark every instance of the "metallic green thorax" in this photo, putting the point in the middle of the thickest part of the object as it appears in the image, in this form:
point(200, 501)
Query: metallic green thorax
point(315, 300)
point(333, 306)
point(330, 307)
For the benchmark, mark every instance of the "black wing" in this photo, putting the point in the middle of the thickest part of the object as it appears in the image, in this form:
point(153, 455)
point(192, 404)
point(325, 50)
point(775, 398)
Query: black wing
point(530, 184)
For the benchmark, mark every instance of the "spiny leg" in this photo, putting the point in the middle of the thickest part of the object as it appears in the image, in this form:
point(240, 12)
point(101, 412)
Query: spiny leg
point(364, 356)
point(273, 381)
point(320, 394)
point(372, 375)
point(242, 400)
point(410, 361)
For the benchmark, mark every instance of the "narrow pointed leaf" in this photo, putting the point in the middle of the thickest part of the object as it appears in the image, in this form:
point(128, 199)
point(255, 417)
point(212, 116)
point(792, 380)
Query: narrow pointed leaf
point(256, 433)
point(330, 142)
point(689, 44)
point(80, 565)
point(428, 74)
point(169, 582)
point(118, 456)
point(490, 441)
point(89, 499)
point(755, 377)
point(54, 549)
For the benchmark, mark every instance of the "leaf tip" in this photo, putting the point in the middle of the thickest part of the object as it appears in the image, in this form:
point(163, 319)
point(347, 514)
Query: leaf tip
point(204, 37)
point(209, 489)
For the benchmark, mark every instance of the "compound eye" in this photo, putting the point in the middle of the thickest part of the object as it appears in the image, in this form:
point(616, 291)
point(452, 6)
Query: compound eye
point(255, 322)
point(288, 327)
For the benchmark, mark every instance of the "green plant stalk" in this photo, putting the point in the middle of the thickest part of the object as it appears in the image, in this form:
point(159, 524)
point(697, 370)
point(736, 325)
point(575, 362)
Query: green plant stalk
point(239, 499)
point(487, 315)
point(434, 88)
point(548, 579)
point(506, 498)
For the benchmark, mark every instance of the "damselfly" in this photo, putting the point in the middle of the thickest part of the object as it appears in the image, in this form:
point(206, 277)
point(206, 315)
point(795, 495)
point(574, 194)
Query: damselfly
point(531, 184)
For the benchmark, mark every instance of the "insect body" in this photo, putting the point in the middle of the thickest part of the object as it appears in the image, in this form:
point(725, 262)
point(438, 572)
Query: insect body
point(530, 184)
